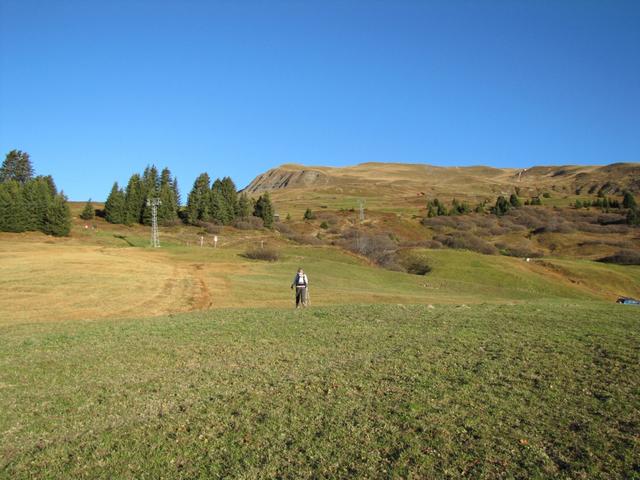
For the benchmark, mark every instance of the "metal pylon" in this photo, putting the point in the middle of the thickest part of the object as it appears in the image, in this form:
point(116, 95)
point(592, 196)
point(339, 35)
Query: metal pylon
point(155, 237)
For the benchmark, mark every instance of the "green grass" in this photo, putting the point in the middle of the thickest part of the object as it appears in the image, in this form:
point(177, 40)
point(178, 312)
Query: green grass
point(537, 390)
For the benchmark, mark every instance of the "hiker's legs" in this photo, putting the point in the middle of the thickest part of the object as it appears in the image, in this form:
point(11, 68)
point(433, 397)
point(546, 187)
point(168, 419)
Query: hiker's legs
point(299, 296)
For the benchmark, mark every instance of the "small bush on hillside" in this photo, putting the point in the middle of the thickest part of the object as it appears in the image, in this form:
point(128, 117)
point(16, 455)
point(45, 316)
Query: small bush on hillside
point(324, 225)
point(304, 239)
point(283, 228)
point(417, 265)
point(467, 241)
point(421, 244)
point(623, 257)
point(249, 223)
point(211, 228)
point(519, 250)
point(268, 254)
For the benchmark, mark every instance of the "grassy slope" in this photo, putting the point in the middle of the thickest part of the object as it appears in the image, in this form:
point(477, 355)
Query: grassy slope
point(491, 391)
point(87, 277)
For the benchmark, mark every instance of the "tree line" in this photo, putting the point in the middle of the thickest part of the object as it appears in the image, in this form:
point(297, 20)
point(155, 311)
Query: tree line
point(129, 205)
point(218, 202)
point(28, 202)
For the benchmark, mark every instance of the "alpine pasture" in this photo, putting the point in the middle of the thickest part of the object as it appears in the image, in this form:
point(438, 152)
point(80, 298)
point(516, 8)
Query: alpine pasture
point(188, 361)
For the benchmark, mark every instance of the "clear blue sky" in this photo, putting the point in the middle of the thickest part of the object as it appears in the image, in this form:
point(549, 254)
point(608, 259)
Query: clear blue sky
point(95, 90)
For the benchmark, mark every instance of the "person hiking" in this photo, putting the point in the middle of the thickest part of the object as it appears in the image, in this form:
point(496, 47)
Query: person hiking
point(300, 283)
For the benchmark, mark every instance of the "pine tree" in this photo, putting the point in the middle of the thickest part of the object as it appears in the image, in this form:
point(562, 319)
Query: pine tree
point(244, 206)
point(88, 212)
point(199, 199)
point(176, 191)
point(114, 207)
point(578, 204)
point(230, 194)
point(633, 216)
point(501, 207)
point(264, 210)
point(629, 200)
point(58, 217)
point(36, 196)
point(12, 212)
point(168, 208)
point(308, 214)
point(134, 200)
point(150, 189)
point(16, 166)
point(219, 209)
point(515, 201)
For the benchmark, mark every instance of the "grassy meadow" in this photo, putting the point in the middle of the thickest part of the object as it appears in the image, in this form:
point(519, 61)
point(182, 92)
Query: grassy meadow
point(122, 361)
point(537, 390)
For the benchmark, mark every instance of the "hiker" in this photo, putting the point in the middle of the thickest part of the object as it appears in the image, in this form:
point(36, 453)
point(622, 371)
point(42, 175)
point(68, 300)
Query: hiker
point(300, 283)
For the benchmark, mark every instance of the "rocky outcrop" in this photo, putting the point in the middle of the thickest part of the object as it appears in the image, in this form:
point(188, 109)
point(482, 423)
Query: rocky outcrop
point(287, 177)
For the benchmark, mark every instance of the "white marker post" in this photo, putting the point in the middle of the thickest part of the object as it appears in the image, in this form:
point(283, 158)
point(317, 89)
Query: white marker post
point(215, 241)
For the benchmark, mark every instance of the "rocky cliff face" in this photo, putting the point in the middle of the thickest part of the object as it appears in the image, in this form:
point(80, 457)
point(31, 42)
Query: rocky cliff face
point(283, 177)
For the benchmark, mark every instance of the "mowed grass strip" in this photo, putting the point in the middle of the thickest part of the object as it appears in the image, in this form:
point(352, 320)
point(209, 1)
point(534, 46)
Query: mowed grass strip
point(487, 391)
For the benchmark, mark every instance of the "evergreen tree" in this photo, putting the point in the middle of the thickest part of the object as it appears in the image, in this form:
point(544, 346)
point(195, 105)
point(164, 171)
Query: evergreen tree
point(431, 210)
point(264, 210)
point(219, 210)
point(16, 166)
point(244, 206)
point(230, 195)
point(168, 208)
point(578, 204)
point(150, 190)
point(440, 208)
point(134, 200)
point(58, 217)
point(36, 196)
point(52, 185)
point(12, 211)
point(88, 212)
point(629, 200)
point(176, 191)
point(515, 201)
point(114, 207)
point(633, 216)
point(308, 214)
point(199, 200)
point(501, 207)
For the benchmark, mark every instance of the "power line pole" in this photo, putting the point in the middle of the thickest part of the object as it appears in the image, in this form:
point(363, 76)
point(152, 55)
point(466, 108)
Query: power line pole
point(155, 237)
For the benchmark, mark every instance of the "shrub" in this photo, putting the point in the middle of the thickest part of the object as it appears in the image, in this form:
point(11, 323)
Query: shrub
point(623, 257)
point(268, 254)
point(324, 225)
point(249, 223)
point(209, 227)
point(417, 265)
point(304, 239)
point(467, 241)
point(283, 228)
point(309, 215)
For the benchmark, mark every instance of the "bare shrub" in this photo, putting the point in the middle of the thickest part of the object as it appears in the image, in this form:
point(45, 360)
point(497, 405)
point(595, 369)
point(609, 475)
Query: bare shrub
point(417, 264)
point(519, 250)
point(304, 239)
point(284, 228)
point(209, 227)
point(623, 257)
point(421, 244)
point(268, 254)
point(467, 241)
point(249, 223)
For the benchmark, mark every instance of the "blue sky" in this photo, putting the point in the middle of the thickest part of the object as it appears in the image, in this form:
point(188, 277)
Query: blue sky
point(95, 90)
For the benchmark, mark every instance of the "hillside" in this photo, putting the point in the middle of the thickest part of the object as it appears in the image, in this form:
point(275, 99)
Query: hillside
point(404, 185)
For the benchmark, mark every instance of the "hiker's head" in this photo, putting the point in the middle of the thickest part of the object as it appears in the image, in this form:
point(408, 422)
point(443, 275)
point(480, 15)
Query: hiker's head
point(300, 270)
